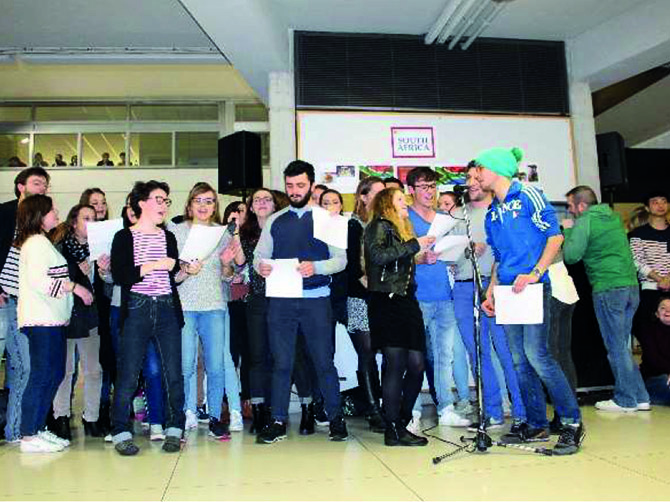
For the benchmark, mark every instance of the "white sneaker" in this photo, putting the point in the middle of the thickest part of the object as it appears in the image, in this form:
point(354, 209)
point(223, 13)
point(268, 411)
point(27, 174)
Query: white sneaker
point(38, 444)
point(610, 405)
point(51, 437)
point(452, 419)
point(415, 424)
point(236, 423)
point(643, 407)
point(191, 420)
point(156, 432)
point(108, 438)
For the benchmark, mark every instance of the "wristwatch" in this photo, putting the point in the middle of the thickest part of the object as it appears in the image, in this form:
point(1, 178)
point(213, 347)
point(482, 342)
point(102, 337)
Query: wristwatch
point(537, 272)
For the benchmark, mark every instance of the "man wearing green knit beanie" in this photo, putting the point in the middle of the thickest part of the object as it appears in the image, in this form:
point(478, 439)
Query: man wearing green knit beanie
point(525, 237)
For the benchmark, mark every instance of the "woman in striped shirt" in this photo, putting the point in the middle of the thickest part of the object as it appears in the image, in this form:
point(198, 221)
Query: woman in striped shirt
point(44, 309)
point(144, 262)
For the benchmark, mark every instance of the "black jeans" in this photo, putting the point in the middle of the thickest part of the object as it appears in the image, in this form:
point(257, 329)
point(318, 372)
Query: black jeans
point(149, 317)
point(560, 339)
point(260, 359)
point(239, 343)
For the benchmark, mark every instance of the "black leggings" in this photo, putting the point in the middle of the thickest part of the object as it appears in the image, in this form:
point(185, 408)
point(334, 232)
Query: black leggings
point(363, 346)
point(402, 380)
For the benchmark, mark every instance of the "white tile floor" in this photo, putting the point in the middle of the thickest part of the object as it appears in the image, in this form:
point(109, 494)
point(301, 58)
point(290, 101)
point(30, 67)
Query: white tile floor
point(623, 458)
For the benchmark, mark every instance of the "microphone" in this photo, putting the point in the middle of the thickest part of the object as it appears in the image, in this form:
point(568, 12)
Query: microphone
point(462, 191)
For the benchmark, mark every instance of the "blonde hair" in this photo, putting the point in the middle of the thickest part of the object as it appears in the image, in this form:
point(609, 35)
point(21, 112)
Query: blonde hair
point(383, 207)
point(199, 189)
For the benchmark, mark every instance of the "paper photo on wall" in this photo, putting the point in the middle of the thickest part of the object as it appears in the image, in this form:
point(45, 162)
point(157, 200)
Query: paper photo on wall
point(340, 177)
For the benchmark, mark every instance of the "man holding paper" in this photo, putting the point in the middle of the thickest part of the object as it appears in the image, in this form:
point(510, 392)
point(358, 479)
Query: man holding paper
point(305, 306)
point(523, 232)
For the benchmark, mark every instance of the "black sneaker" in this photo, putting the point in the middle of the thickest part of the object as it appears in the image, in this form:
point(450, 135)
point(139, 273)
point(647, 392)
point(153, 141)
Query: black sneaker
point(491, 424)
point(273, 432)
point(127, 448)
point(338, 429)
point(570, 440)
point(307, 419)
point(524, 433)
point(320, 416)
point(218, 429)
point(172, 444)
point(201, 414)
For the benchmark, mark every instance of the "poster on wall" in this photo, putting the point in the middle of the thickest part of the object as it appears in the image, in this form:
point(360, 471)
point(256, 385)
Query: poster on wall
point(382, 172)
point(450, 175)
point(340, 177)
point(413, 142)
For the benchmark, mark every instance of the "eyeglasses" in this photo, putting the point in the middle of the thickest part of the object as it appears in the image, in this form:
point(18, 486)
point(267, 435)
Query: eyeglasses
point(162, 200)
point(426, 186)
point(267, 200)
point(204, 201)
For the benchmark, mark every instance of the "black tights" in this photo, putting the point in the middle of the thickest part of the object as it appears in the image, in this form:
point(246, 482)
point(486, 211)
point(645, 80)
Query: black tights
point(402, 380)
point(363, 346)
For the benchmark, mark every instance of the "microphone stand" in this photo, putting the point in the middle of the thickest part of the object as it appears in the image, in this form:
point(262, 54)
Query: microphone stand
point(481, 441)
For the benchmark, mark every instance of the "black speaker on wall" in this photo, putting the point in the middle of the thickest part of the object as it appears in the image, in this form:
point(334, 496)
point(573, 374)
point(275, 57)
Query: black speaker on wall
point(240, 168)
point(612, 160)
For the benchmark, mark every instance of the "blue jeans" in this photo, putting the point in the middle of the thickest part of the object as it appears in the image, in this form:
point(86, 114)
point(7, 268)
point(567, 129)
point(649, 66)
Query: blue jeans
point(614, 310)
point(463, 305)
point(536, 366)
point(213, 328)
point(18, 369)
point(445, 352)
point(48, 349)
point(114, 333)
point(152, 370)
point(312, 316)
point(659, 391)
point(148, 318)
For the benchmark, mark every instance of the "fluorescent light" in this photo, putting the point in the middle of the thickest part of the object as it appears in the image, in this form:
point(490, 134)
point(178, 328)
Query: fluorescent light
point(476, 12)
point(463, 9)
point(441, 22)
point(485, 24)
point(25, 141)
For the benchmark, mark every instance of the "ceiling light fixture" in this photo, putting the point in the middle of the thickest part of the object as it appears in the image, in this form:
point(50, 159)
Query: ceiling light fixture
point(455, 20)
point(442, 21)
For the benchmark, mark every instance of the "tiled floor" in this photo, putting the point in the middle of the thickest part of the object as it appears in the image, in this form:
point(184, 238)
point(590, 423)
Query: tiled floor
point(623, 458)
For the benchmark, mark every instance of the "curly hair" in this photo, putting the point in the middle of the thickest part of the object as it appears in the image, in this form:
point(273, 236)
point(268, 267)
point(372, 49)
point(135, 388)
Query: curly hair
point(383, 207)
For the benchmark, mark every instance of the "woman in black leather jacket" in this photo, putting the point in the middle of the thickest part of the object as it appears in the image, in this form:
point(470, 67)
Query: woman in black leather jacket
point(396, 323)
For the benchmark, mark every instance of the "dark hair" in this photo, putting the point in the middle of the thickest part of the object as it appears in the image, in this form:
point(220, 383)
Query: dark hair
point(456, 198)
point(282, 200)
point(583, 193)
point(653, 194)
point(233, 207)
point(339, 196)
point(298, 167)
point(199, 189)
point(421, 173)
point(320, 187)
point(251, 230)
point(142, 191)
point(67, 227)
point(391, 179)
point(471, 165)
point(364, 187)
point(22, 177)
point(29, 216)
point(85, 198)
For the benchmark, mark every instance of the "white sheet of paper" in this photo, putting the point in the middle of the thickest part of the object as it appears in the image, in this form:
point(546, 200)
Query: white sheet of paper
point(519, 308)
point(285, 281)
point(202, 240)
point(451, 247)
point(100, 236)
point(329, 228)
point(441, 225)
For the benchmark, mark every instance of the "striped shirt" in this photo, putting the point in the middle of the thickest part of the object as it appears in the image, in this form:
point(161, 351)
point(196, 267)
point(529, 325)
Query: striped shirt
point(651, 251)
point(148, 248)
point(9, 277)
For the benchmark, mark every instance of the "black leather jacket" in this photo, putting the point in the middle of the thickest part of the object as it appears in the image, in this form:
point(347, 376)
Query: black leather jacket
point(389, 262)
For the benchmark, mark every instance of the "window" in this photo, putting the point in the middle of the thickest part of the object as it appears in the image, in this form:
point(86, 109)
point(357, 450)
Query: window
point(50, 145)
point(94, 145)
point(151, 148)
point(80, 113)
point(14, 147)
point(251, 113)
point(15, 113)
point(174, 112)
point(197, 148)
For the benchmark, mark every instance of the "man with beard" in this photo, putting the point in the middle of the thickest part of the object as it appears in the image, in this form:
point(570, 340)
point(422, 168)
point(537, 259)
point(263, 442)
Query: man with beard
point(31, 181)
point(288, 234)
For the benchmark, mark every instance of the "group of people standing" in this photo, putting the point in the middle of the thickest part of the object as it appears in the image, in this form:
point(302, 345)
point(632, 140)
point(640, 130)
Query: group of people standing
point(143, 311)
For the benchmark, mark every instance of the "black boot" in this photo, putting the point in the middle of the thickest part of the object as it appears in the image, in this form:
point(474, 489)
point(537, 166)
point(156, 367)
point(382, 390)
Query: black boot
point(61, 428)
point(259, 413)
point(373, 414)
point(92, 429)
point(397, 435)
point(105, 418)
point(307, 419)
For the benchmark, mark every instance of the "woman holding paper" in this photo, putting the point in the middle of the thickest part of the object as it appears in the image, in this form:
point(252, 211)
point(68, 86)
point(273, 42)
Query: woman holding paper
point(396, 323)
point(144, 262)
point(205, 305)
point(43, 311)
point(357, 301)
point(71, 239)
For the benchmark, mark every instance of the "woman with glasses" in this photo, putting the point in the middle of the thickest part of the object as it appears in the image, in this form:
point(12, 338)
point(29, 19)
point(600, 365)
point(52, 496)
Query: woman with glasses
point(144, 262)
point(206, 317)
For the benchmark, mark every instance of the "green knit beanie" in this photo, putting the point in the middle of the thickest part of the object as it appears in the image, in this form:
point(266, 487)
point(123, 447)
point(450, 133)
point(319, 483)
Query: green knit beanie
point(502, 161)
